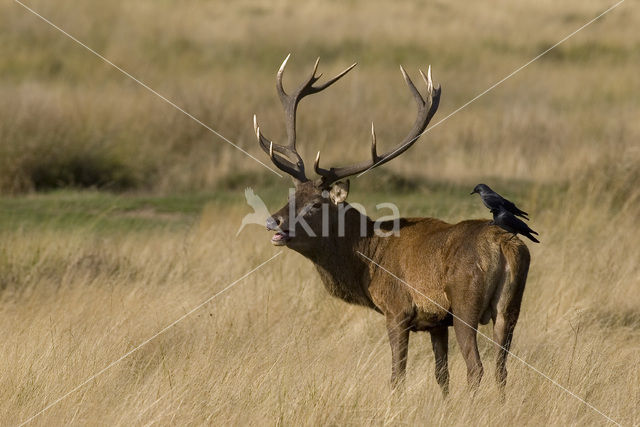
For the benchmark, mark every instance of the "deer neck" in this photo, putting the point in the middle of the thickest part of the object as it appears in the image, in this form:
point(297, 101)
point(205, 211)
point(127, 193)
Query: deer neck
point(344, 272)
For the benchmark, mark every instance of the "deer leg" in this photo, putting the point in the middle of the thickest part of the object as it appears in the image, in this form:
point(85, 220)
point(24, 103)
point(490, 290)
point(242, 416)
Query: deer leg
point(398, 330)
point(440, 344)
point(506, 317)
point(503, 327)
point(466, 335)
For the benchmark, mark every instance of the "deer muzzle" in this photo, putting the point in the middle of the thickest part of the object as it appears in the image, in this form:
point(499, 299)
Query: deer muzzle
point(281, 236)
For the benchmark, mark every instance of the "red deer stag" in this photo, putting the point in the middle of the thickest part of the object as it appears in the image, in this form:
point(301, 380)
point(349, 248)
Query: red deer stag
point(450, 274)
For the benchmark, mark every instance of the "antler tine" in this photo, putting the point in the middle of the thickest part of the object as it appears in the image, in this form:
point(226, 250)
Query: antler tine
point(262, 140)
point(290, 105)
point(316, 164)
point(412, 87)
point(374, 154)
point(308, 88)
point(296, 170)
point(315, 69)
point(256, 129)
point(426, 109)
point(335, 79)
point(290, 102)
point(427, 80)
point(283, 95)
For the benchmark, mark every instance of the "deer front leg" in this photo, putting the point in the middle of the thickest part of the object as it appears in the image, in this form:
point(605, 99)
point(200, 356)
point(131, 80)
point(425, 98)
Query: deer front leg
point(398, 330)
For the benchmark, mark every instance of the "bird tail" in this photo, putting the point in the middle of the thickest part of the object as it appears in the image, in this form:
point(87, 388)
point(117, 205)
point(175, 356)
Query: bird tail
point(530, 237)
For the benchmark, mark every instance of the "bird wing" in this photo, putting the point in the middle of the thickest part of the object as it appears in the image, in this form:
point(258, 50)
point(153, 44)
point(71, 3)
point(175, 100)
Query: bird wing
point(502, 219)
point(509, 222)
point(519, 225)
point(514, 222)
point(492, 201)
point(511, 207)
point(495, 201)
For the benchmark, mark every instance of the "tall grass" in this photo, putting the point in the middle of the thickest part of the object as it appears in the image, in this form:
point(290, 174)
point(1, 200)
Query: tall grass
point(86, 277)
point(62, 106)
point(275, 348)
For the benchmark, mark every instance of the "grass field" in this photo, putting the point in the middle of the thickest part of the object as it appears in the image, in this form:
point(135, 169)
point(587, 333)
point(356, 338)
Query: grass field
point(118, 214)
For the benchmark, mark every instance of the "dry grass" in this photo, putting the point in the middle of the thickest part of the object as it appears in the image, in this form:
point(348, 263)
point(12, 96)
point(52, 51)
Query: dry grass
point(79, 290)
point(63, 108)
point(277, 349)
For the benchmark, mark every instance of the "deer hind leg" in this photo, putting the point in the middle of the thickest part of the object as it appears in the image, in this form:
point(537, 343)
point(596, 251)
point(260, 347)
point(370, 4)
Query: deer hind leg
point(506, 314)
point(502, 333)
point(466, 335)
point(398, 330)
point(440, 344)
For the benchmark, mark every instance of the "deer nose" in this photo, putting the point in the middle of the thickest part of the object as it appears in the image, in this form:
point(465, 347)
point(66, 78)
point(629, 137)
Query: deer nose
point(272, 224)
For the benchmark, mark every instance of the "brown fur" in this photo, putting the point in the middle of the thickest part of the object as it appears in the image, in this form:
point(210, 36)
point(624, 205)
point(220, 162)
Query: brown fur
point(459, 274)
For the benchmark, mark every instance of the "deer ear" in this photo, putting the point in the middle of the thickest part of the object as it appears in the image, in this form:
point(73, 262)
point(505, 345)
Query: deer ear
point(339, 192)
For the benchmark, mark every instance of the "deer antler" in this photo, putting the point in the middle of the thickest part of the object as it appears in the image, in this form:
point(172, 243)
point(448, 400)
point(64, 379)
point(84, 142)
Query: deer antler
point(281, 155)
point(426, 109)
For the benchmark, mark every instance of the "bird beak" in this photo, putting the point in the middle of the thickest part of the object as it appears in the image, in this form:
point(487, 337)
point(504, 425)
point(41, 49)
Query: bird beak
point(472, 193)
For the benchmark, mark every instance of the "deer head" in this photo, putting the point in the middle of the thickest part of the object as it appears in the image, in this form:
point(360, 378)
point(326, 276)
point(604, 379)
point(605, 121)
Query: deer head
point(313, 208)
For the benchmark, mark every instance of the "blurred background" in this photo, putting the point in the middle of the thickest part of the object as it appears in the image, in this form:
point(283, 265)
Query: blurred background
point(117, 211)
point(70, 120)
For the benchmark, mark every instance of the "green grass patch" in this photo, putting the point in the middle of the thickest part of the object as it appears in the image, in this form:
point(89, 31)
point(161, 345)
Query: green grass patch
point(104, 212)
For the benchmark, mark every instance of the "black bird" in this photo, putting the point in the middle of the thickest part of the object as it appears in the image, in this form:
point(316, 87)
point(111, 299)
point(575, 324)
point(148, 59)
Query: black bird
point(494, 201)
point(508, 221)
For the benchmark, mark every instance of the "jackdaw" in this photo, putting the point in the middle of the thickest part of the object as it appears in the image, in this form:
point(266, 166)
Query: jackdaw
point(508, 221)
point(493, 200)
